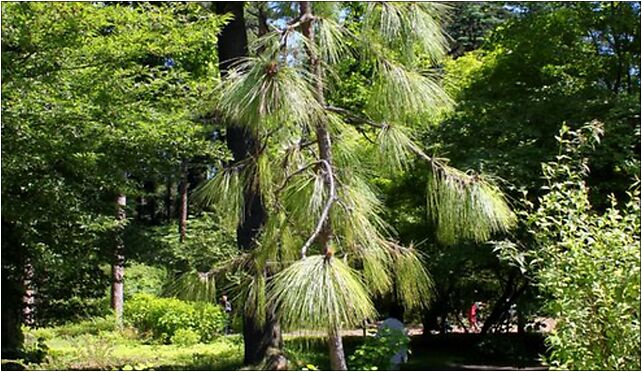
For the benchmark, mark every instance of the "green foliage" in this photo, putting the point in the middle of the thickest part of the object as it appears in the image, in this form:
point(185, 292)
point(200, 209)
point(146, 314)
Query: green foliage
point(304, 352)
point(375, 353)
point(278, 96)
point(545, 65)
point(35, 347)
point(91, 326)
point(470, 23)
point(207, 241)
point(589, 265)
point(535, 72)
point(319, 293)
point(95, 352)
point(193, 286)
point(141, 278)
point(123, 350)
point(465, 209)
point(185, 337)
point(261, 93)
point(163, 317)
point(96, 97)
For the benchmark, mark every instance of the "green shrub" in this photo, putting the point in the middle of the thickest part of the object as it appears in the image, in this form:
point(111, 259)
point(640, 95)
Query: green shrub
point(91, 326)
point(34, 346)
point(141, 278)
point(163, 317)
point(590, 269)
point(375, 353)
point(185, 337)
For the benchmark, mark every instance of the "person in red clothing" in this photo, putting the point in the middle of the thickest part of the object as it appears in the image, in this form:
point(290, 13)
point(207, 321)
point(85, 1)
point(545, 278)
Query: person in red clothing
point(472, 317)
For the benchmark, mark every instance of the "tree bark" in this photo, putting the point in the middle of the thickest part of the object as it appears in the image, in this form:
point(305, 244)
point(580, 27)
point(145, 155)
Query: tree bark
point(118, 263)
point(29, 296)
point(335, 348)
point(335, 343)
point(13, 256)
point(261, 339)
point(511, 294)
point(168, 199)
point(232, 44)
point(182, 225)
point(150, 202)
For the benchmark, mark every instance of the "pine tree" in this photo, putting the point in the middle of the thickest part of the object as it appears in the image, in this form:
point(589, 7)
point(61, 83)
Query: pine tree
point(324, 252)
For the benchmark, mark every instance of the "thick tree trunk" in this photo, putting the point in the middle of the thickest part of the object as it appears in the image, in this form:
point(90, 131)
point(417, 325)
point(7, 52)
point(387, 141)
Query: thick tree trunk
point(258, 340)
point(182, 224)
point(232, 44)
point(118, 264)
point(13, 253)
point(335, 343)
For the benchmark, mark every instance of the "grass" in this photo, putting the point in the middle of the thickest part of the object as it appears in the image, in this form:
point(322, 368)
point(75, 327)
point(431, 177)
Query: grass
point(110, 349)
point(97, 345)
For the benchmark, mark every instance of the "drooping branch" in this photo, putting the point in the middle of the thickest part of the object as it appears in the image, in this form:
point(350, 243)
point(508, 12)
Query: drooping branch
point(293, 174)
point(355, 118)
point(297, 146)
point(326, 210)
point(358, 119)
point(437, 165)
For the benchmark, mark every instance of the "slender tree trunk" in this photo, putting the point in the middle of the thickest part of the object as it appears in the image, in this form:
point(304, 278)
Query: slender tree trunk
point(521, 320)
point(337, 355)
point(182, 225)
point(151, 202)
point(118, 264)
point(335, 342)
point(168, 199)
point(396, 309)
point(232, 44)
point(511, 294)
point(29, 296)
point(262, 19)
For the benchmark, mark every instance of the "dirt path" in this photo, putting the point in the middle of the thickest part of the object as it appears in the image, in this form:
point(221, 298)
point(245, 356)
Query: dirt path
point(548, 323)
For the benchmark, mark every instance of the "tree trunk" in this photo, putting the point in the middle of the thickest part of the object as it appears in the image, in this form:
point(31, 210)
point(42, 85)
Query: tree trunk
point(168, 199)
point(232, 44)
point(151, 202)
point(118, 264)
point(521, 320)
point(335, 343)
point(29, 296)
point(510, 295)
point(335, 348)
point(258, 340)
point(13, 252)
point(396, 309)
point(182, 225)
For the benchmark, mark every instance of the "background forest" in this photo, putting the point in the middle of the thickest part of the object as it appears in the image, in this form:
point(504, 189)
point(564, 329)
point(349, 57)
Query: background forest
point(321, 165)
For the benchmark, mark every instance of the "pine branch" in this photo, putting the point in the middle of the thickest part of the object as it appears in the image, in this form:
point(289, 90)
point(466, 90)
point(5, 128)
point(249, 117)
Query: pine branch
point(293, 174)
point(326, 210)
point(437, 165)
point(355, 117)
